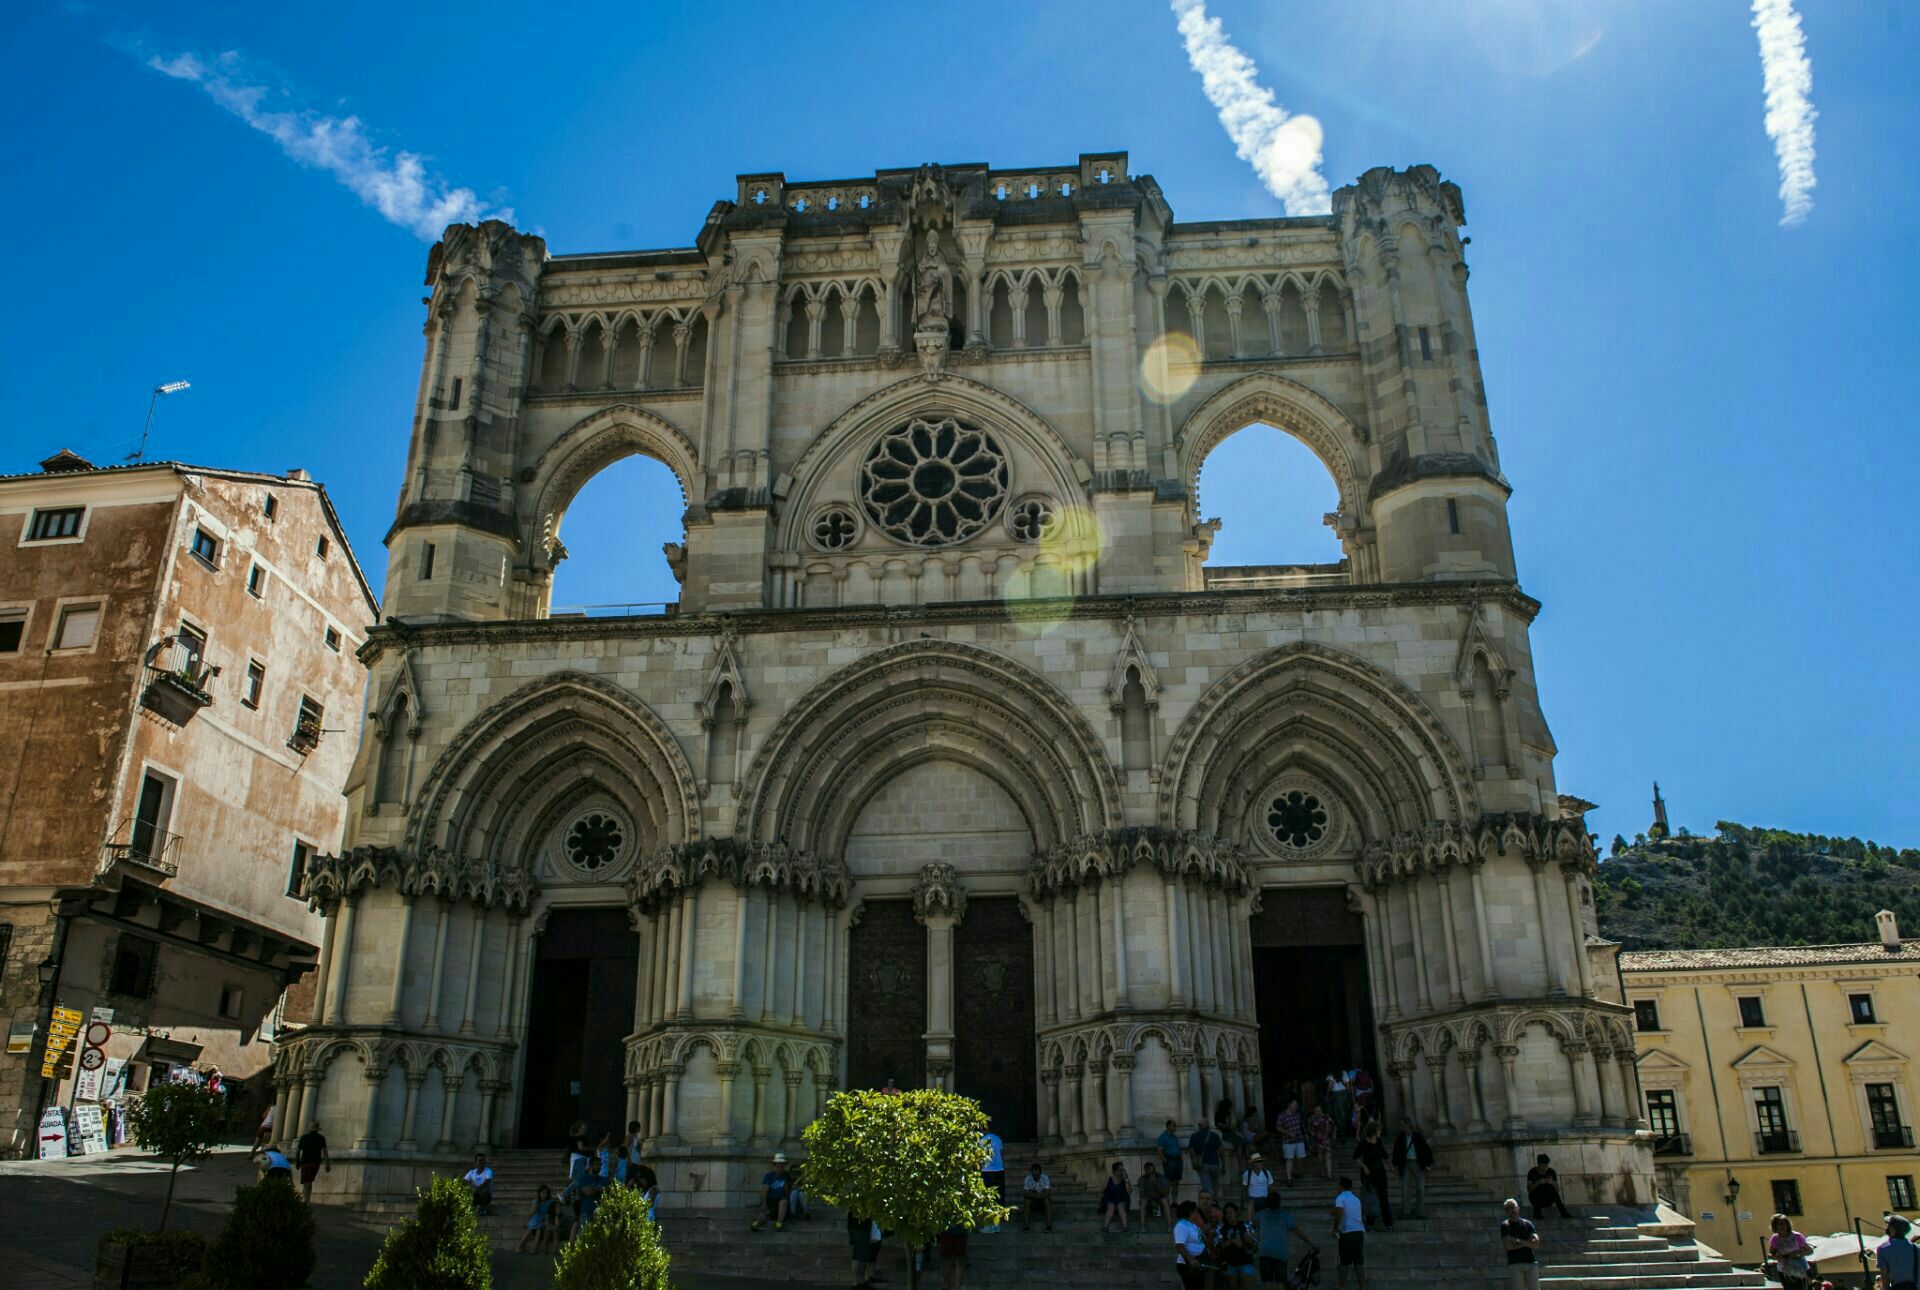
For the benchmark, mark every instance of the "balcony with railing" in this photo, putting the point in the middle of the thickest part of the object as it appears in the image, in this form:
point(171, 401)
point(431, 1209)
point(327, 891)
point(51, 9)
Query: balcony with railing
point(177, 681)
point(1672, 1144)
point(1892, 1137)
point(1776, 1142)
point(1276, 577)
point(145, 845)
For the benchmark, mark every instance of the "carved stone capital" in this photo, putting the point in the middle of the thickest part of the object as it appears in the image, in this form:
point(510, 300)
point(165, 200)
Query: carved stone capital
point(938, 892)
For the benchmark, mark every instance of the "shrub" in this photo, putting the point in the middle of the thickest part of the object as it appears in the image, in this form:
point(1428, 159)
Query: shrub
point(267, 1241)
point(440, 1248)
point(182, 1252)
point(619, 1250)
point(181, 1123)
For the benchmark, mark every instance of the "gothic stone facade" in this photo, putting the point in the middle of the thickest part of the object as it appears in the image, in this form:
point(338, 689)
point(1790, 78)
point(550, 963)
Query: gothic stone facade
point(956, 762)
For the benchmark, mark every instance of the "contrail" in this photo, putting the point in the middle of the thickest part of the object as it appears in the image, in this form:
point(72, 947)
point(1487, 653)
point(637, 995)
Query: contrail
point(397, 185)
point(1283, 147)
point(1790, 112)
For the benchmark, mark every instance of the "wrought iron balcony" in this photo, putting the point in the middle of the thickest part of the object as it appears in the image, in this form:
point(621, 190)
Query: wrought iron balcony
point(1892, 1137)
point(177, 681)
point(306, 737)
point(140, 843)
point(1775, 1142)
point(1673, 1144)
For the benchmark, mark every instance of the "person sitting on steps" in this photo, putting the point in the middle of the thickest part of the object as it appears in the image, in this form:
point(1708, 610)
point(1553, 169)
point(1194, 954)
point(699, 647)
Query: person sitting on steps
point(1543, 1188)
point(1116, 1198)
point(1037, 1190)
point(775, 1187)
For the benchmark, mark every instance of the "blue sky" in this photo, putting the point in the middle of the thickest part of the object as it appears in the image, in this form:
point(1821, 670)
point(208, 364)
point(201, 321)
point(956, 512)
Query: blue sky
point(1713, 482)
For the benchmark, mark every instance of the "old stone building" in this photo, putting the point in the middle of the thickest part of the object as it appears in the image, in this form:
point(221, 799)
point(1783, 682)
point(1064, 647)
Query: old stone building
point(957, 762)
point(177, 680)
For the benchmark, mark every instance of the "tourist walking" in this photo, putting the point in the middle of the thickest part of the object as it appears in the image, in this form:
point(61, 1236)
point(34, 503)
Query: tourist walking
point(1789, 1250)
point(1234, 1249)
point(1372, 1158)
point(1156, 1197)
point(774, 1197)
point(1292, 1132)
point(1274, 1222)
point(264, 1134)
point(1543, 1188)
point(1895, 1259)
point(1205, 1145)
point(863, 1243)
point(1522, 1242)
point(1320, 1135)
point(1171, 1157)
point(1350, 1232)
point(953, 1256)
point(1340, 1100)
point(994, 1170)
point(1189, 1248)
point(1257, 1180)
point(1116, 1198)
point(1412, 1157)
point(479, 1181)
point(1037, 1192)
point(310, 1153)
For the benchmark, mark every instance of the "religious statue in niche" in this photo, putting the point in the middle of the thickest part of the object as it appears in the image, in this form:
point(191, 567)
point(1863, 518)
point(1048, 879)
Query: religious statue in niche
point(932, 285)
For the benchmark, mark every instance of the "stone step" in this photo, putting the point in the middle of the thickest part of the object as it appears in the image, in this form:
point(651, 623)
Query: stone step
point(1654, 1279)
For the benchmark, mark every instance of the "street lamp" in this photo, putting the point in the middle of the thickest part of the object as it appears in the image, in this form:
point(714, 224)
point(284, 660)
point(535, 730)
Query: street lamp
point(1733, 1204)
point(171, 387)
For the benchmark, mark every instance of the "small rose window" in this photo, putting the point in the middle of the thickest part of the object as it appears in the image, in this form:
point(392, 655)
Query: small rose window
point(1298, 819)
point(834, 528)
point(1032, 519)
point(594, 841)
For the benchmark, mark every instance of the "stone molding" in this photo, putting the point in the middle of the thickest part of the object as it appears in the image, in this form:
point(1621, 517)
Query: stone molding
point(1444, 846)
point(305, 1056)
point(666, 1048)
point(329, 879)
point(1605, 1027)
point(672, 870)
point(1186, 1040)
point(1184, 854)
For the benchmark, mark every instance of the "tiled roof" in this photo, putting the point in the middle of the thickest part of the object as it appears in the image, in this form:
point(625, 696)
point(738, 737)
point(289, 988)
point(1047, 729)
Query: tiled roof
point(1765, 956)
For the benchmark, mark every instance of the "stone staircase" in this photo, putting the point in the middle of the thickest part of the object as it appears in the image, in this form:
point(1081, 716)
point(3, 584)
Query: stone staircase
point(1457, 1241)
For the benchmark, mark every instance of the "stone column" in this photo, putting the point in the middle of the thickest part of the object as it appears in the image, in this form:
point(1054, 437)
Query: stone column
point(1612, 1114)
point(690, 923)
point(790, 1123)
point(1234, 304)
point(644, 379)
point(1183, 1093)
point(439, 964)
point(305, 1098)
point(489, 1093)
point(1576, 929)
point(772, 899)
point(414, 1080)
point(1557, 982)
point(1443, 1113)
point(1046, 1013)
point(1095, 1092)
point(1509, 1057)
point(1489, 986)
point(1419, 924)
point(1122, 1119)
point(1404, 1091)
point(1209, 1090)
point(672, 1112)
point(479, 944)
point(510, 979)
point(1095, 953)
point(449, 1094)
point(282, 1097)
point(1578, 1061)
point(1119, 885)
point(1470, 1059)
point(1176, 947)
point(1384, 900)
point(1310, 306)
point(1456, 992)
point(1216, 958)
point(799, 1015)
point(1049, 1116)
point(743, 902)
point(726, 1071)
point(1196, 943)
point(1272, 303)
point(324, 973)
point(760, 1076)
point(1073, 954)
point(335, 1012)
point(374, 1079)
point(1238, 920)
point(666, 993)
point(1076, 1103)
point(816, 310)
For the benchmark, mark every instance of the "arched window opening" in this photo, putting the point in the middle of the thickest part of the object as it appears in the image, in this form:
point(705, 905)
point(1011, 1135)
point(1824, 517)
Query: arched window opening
point(553, 360)
point(1219, 333)
point(614, 532)
point(796, 326)
point(1489, 726)
point(1333, 320)
point(1256, 338)
point(591, 373)
point(833, 334)
point(723, 739)
point(1179, 315)
point(1036, 319)
point(1136, 744)
point(1270, 494)
point(1000, 317)
point(393, 754)
point(696, 373)
point(1293, 322)
point(1073, 314)
point(866, 331)
point(626, 356)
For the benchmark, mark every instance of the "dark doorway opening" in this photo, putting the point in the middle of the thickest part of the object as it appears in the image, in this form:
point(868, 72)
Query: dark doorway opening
point(579, 1013)
point(887, 997)
point(1310, 993)
point(993, 1040)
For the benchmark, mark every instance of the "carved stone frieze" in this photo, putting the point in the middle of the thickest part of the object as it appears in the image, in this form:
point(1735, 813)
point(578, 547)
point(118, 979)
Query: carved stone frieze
point(938, 892)
point(1177, 853)
point(330, 879)
point(668, 872)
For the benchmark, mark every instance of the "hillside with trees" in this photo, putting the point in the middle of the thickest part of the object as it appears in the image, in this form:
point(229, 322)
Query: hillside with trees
point(1753, 886)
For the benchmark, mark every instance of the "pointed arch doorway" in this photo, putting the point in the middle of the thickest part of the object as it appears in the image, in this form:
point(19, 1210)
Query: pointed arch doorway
point(1311, 993)
point(579, 1012)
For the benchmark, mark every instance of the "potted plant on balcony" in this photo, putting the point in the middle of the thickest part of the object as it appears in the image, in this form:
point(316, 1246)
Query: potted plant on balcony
point(306, 735)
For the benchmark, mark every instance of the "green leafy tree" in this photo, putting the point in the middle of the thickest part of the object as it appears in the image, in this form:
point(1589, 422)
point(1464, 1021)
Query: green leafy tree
point(181, 1123)
point(440, 1248)
point(619, 1250)
point(908, 1161)
point(267, 1240)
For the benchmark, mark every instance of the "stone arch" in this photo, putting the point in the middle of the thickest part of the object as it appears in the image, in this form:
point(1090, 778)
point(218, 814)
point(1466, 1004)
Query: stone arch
point(860, 726)
point(1066, 474)
point(1265, 714)
point(1556, 1025)
point(1270, 399)
point(588, 447)
point(496, 772)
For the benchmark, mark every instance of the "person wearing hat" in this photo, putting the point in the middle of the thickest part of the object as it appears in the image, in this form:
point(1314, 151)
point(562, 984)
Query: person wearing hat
point(1896, 1260)
point(1258, 1180)
point(774, 1198)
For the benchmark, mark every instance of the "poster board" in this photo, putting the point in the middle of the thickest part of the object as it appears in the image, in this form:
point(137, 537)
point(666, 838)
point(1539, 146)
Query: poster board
point(53, 1133)
point(90, 1126)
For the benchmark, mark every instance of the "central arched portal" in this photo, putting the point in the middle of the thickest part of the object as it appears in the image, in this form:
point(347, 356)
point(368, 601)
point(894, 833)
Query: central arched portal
point(579, 1011)
point(1310, 992)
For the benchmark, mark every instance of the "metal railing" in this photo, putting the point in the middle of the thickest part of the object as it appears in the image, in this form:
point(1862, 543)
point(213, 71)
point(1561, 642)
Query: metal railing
point(1673, 1144)
point(1774, 1142)
point(633, 609)
point(174, 663)
point(147, 846)
point(1275, 577)
point(1892, 1137)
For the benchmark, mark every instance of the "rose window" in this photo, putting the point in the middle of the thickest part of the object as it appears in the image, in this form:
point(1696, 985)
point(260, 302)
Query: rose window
point(1298, 819)
point(594, 841)
point(834, 528)
point(1032, 519)
point(932, 483)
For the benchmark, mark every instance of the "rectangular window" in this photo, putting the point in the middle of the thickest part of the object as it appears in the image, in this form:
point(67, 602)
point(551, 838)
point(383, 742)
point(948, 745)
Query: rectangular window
point(1646, 1014)
point(1663, 1112)
point(230, 999)
point(297, 871)
point(426, 561)
point(50, 526)
point(78, 626)
point(1883, 1108)
point(1861, 1008)
point(1900, 1191)
point(256, 677)
point(333, 640)
point(207, 547)
point(1453, 516)
point(256, 582)
point(151, 816)
point(1786, 1196)
point(1426, 345)
point(13, 625)
point(320, 548)
point(271, 507)
point(1751, 1013)
point(453, 401)
point(135, 961)
point(1770, 1118)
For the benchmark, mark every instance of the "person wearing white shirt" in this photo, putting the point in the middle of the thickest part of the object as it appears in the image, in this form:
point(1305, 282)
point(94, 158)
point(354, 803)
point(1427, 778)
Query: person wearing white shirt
point(1258, 1180)
point(1350, 1230)
point(1039, 1197)
point(479, 1180)
point(1189, 1248)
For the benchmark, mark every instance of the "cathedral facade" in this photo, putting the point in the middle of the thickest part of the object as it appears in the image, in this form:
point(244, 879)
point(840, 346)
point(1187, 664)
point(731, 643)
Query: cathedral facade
point(957, 763)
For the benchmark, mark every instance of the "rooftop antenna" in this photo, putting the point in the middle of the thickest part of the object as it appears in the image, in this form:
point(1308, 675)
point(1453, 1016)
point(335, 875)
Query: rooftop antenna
point(171, 387)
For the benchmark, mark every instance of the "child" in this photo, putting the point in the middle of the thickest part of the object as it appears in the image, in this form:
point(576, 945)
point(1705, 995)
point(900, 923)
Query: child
point(543, 1227)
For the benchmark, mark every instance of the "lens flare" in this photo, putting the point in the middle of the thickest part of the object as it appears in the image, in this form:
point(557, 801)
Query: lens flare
point(1040, 593)
point(1169, 367)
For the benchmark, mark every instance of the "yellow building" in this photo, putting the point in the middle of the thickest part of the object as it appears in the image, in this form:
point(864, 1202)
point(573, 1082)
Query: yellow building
point(1778, 1080)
